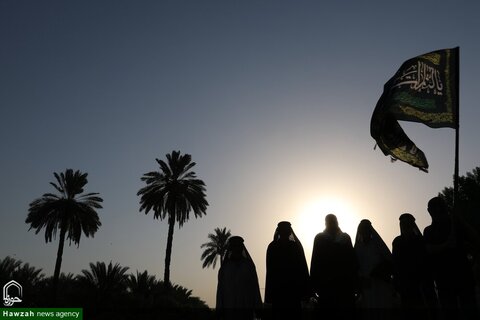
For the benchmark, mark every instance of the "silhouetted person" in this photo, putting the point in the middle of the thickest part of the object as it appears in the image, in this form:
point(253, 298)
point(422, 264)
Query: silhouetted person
point(333, 271)
point(287, 279)
point(238, 293)
point(375, 270)
point(451, 269)
point(412, 272)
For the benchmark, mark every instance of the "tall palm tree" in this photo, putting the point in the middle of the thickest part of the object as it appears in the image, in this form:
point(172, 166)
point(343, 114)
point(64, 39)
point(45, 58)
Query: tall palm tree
point(216, 247)
point(70, 213)
point(171, 194)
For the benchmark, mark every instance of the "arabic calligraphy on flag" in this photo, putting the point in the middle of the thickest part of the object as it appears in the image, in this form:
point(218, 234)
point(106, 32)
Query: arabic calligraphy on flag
point(424, 89)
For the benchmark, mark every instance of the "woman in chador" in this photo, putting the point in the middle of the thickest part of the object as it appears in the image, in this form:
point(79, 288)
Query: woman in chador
point(238, 292)
point(287, 280)
point(446, 241)
point(375, 261)
point(333, 272)
point(412, 275)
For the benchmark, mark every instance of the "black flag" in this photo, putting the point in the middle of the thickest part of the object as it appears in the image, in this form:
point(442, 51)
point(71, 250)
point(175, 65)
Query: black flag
point(424, 89)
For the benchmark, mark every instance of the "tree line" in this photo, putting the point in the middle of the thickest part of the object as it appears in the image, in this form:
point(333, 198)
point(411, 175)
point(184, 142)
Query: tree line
point(105, 291)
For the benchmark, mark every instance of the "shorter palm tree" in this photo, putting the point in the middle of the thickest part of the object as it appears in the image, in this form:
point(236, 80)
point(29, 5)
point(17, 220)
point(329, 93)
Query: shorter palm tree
point(181, 293)
point(28, 276)
point(216, 247)
point(8, 267)
point(141, 283)
point(11, 268)
point(104, 284)
point(105, 279)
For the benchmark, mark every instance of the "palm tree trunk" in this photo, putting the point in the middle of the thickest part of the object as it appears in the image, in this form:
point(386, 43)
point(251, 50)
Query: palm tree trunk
point(58, 265)
point(168, 255)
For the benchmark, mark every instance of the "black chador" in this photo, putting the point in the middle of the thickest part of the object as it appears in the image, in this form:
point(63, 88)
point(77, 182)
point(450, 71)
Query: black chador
point(287, 280)
point(451, 269)
point(412, 272)
point(333, 271)
point(238, 292)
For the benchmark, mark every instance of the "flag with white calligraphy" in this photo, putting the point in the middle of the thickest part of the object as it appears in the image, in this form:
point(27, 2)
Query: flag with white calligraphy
point(424, 89)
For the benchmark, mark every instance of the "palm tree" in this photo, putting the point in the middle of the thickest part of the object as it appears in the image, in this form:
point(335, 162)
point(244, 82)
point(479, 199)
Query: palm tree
point(103, 285)
point(28, 276)
point(8, 268)
point(142, 284)
point(103, 279)
point(216, 247)
point(69, 213)
point(172, 193)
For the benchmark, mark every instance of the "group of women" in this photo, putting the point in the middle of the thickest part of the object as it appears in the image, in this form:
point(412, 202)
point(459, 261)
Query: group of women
point(345, 282)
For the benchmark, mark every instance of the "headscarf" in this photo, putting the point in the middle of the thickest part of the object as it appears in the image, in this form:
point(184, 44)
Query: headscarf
point(375, 238)
point(285, 226)
point(408, 221)
point(291, 280)
point(232, 243)
point(238, 292)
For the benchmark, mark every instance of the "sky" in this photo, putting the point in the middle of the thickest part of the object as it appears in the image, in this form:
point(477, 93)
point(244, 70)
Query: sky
point(272, 99)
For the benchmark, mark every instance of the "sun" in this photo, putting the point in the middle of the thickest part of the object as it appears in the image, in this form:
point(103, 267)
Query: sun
point(311, 219)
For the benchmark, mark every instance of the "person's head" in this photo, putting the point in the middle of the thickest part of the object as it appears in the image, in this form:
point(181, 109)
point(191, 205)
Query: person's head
point(437, 208)
point(365, 230)
point(235, 247)
point(284, 230)
point(408, 227)
point(331, 223)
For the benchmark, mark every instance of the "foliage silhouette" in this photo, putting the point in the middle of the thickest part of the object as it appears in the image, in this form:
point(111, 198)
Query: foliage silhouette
point(67, 285)
point(215, 247)
point(141, 284)
point(469, 197)
point(28, 276)
point(8, 267)
point(106, 291)
point(172, 193)
point(70, 213)
point(104, 281)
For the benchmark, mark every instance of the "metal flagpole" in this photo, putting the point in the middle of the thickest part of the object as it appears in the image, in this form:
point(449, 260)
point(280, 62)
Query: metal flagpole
point(472, 234)
point(457, 134)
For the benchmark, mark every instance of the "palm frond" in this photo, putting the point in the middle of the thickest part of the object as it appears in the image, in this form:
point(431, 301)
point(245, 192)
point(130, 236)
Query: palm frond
point(70, 211)
point(215, 247)
point(103, 278)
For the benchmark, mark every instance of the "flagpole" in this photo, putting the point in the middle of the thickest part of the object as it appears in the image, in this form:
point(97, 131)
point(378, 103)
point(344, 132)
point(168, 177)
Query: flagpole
point(457, 133)
point(471, 233)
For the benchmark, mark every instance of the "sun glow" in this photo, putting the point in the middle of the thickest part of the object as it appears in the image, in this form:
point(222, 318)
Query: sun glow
point(311, 220)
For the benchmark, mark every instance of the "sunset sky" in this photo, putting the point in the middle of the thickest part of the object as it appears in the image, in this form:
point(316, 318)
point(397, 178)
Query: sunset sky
point(272, 99)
